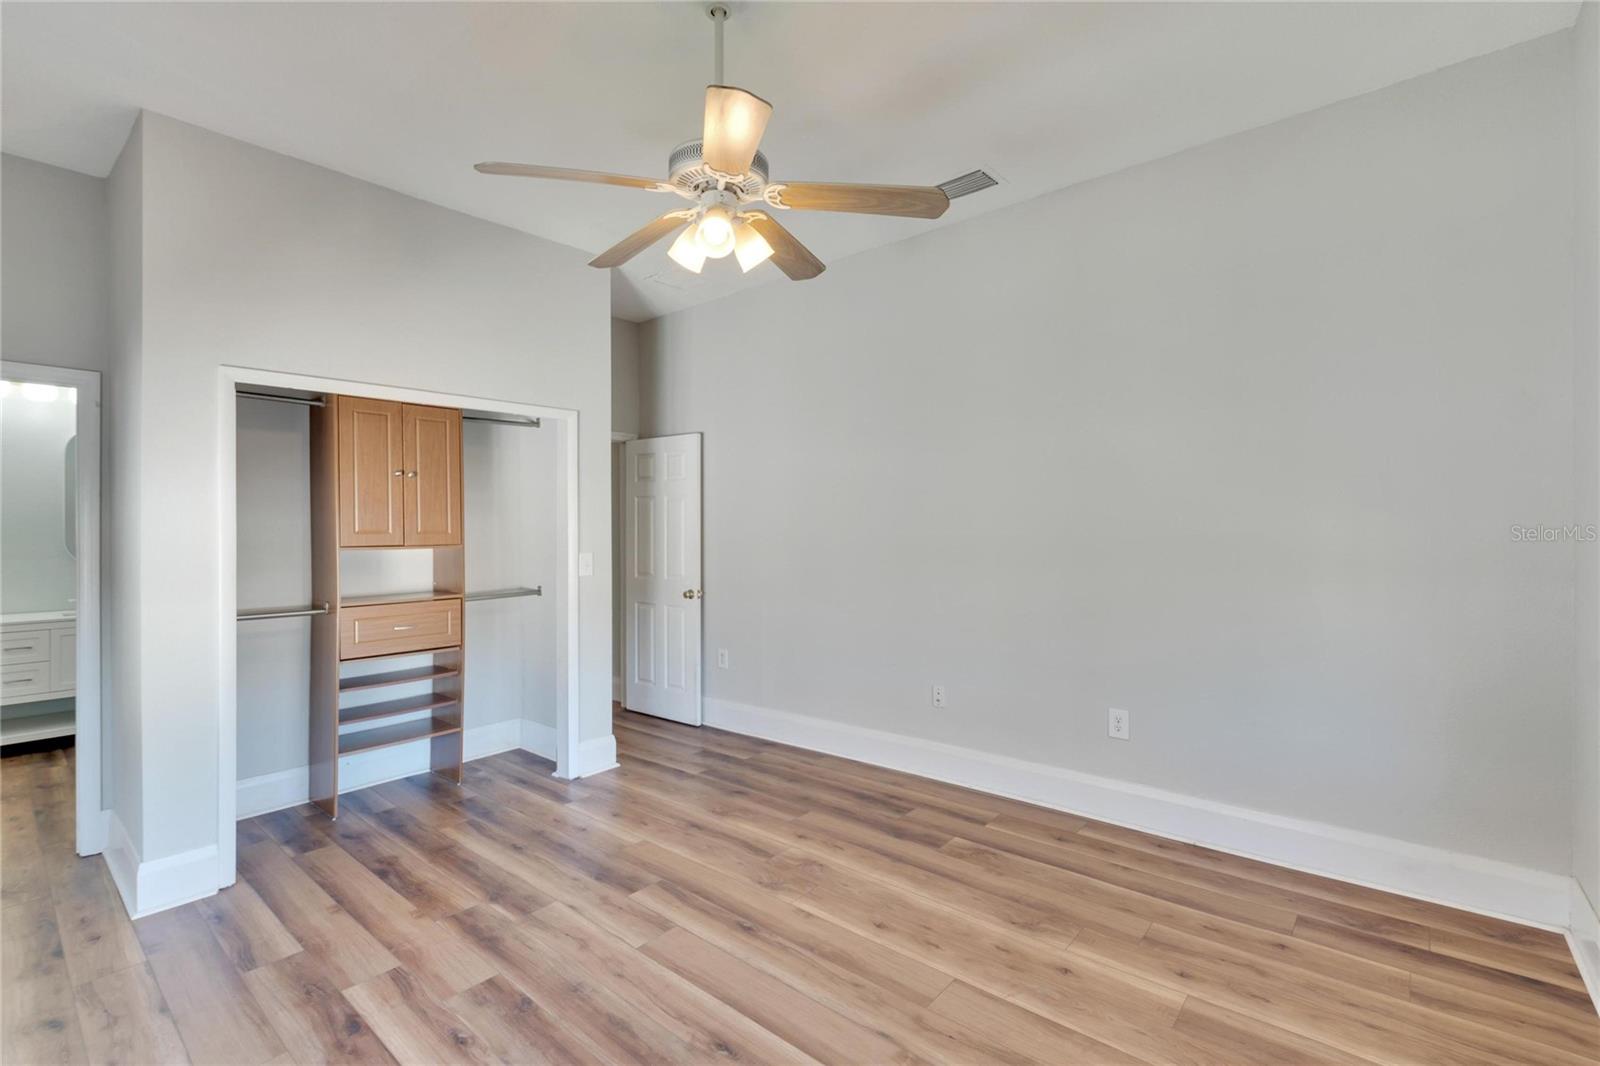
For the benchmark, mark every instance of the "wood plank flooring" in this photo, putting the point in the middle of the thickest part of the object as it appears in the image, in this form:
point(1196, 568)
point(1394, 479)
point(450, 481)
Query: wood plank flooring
point(719, 898)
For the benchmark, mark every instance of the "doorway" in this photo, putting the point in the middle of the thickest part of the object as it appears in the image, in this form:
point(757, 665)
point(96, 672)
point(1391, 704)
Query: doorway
point(560, 424)
point(50, 578)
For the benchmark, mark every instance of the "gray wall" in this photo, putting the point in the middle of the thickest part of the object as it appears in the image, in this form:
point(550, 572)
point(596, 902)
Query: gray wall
point(624, 376)
point(122, 709)
point(55, 307)
point(1233, 440)
point(250, 258)
point(1586, 182)
point(624, 419)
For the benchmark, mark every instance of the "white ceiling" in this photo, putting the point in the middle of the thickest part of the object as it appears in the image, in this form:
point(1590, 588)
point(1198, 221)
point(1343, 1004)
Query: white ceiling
point(409, 96)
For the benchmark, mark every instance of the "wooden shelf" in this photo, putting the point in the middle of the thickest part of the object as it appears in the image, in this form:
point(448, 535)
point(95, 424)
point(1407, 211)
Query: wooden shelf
point(397, 597)
point(389, 735)
point(400, 655)
point(397, 677)
point(372, 712)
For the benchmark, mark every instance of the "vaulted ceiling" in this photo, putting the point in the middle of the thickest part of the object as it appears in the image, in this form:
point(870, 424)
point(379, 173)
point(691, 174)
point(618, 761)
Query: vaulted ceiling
point(409, 96)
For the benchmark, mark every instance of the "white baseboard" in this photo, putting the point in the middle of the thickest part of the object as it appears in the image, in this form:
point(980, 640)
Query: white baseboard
point(1583, 936)
point(290, 788)
point(1487, 886)
point(122, 858)
point(485, 740)
point(539, 739)
point(150, 887)
point(596, 755)
point(265, 793)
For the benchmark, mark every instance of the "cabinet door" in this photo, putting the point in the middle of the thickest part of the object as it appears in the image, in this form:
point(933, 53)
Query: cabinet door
point(64, 658)
point(371, 473)
point(433, 475)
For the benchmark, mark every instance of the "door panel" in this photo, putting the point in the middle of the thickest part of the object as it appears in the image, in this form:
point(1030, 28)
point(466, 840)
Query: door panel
point(661, 553)
point(371, 474)
point(433, 478)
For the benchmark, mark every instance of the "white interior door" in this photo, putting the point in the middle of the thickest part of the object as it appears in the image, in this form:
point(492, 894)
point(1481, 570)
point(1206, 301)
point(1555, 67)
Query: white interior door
point(661, 576)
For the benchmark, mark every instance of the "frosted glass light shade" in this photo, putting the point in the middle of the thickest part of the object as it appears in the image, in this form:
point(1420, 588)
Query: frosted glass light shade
point(749, 247)
point(686, 252)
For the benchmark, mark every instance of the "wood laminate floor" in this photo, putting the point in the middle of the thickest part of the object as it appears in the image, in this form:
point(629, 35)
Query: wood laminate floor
point(722, 899)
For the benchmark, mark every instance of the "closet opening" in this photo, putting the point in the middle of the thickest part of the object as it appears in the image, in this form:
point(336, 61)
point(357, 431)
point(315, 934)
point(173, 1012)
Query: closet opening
point(50, 720)
point(400, 562)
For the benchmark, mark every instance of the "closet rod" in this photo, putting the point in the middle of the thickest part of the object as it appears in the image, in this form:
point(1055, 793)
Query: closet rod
point(303, 401)
point(505, 594)
point(283, 612)
point(531, 423)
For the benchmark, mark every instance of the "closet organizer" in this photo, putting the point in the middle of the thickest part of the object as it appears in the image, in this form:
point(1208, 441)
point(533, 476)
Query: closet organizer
point(385, 475)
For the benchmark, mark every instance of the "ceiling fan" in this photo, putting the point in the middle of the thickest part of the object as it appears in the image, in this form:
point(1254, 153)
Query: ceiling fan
point(725, 178)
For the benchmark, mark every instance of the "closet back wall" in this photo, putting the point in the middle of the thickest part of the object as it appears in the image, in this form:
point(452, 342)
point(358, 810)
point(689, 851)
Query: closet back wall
point(511, 540)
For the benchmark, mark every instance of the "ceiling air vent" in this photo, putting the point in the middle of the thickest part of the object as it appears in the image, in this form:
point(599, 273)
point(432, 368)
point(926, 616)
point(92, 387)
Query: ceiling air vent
point(967, 184)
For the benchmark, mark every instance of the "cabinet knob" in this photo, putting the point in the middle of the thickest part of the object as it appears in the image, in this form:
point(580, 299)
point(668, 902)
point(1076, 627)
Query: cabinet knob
point(398, 473)
point(411, 473)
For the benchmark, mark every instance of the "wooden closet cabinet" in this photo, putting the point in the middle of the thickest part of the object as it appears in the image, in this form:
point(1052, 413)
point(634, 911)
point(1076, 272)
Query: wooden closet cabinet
point(399, 474)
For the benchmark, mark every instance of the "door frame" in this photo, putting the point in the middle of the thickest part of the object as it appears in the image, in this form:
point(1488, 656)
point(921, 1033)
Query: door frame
point(619, 656)
point(562, 421)
point(625, 600)
point(92, 819)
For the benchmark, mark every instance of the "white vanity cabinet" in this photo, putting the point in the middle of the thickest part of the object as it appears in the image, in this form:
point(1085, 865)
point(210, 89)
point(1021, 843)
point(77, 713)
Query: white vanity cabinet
point(38, 662)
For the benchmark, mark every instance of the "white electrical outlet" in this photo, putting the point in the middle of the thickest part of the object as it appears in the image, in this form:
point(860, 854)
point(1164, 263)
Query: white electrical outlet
point(1117, 724)
point(722, 658)
point(938, 695)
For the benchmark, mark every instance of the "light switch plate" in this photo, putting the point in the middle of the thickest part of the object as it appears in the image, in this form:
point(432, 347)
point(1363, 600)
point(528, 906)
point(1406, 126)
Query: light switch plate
point(586, 564)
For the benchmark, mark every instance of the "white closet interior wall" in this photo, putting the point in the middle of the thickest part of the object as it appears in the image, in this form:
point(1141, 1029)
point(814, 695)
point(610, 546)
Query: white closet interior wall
point(512, 539)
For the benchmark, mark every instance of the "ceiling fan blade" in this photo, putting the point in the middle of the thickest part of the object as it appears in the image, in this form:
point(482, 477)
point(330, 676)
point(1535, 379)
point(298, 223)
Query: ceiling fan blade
point(639, 240)
point(735, 121)
point(791, 257)
point(908, 201)
point(530, 170)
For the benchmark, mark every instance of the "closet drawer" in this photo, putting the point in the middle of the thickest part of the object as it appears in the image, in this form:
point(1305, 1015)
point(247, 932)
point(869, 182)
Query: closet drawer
point(25, 646)
point(25, 679)
point(393, 628)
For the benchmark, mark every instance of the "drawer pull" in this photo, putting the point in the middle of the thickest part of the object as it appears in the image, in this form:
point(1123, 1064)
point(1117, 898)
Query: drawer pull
point(402, 629)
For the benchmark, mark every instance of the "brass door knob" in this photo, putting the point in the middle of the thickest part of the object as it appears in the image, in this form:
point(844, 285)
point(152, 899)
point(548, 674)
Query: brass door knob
point(691, 594)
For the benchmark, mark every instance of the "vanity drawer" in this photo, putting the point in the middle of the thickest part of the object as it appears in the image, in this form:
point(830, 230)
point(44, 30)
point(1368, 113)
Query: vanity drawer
point(25, 646)
point(394, 628)
point(23, 679)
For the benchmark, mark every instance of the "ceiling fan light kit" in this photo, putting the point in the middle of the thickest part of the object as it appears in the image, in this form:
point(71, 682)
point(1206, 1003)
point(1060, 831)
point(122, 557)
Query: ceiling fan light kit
point(725, 176)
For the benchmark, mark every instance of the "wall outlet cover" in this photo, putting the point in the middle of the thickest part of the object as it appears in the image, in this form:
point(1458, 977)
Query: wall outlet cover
point(722, 658)
point(1117, 726)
